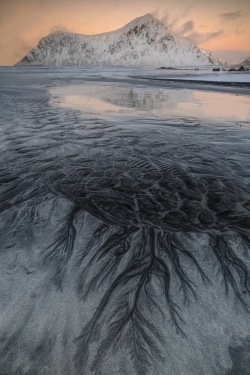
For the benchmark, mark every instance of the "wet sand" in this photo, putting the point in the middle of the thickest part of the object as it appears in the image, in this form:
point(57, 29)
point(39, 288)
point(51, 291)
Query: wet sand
point(125, 232)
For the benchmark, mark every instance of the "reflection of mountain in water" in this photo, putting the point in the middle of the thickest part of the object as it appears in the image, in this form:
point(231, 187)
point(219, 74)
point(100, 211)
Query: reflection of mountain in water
point(124, 249)
point(139, 99)
point(190, 107)
point(136, 98)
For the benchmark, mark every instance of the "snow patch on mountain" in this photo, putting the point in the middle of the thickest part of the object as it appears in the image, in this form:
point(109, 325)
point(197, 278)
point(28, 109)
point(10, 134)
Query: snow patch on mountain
point(246, 63)
point(143, 42)
point(212, 58)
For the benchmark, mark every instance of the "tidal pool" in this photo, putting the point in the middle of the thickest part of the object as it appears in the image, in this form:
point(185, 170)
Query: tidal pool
point(127, 100)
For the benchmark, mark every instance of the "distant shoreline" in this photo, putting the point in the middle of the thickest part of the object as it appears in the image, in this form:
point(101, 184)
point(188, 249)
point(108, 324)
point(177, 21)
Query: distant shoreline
point(237, 88)
point(228, 87)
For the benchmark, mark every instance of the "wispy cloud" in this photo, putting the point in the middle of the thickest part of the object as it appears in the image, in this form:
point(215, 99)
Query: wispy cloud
point(188, 30)
point(204, 37)
point(61, 28)
point(187, 27)
point(165, 18)
point(232, 16)
point(187, 10)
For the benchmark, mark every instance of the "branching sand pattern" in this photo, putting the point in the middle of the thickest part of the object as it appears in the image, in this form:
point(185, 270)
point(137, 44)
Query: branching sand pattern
point(121, 248)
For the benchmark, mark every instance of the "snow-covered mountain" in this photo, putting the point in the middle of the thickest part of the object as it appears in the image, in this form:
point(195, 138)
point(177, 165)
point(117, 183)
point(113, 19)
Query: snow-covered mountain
point(210, 56)
point(246, 63)
point(143, 42)
point(241, 66)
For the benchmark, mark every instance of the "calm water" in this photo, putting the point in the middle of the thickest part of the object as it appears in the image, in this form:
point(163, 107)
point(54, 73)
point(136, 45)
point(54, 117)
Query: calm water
point(111, 100)
point(125, 223)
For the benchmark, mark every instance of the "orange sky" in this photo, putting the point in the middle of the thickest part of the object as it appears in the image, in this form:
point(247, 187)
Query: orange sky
point(220, 25)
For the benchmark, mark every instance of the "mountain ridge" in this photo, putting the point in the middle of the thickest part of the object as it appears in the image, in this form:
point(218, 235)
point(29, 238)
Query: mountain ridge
point(143, 42)
point(246, 63)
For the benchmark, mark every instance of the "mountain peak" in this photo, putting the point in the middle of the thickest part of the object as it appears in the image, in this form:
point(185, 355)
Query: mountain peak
point(147, 17)
point(246, 63)
point(137, 21)
point(143, 42)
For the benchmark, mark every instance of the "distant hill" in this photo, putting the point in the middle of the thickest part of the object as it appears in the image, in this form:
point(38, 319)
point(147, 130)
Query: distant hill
point(144, 42)
point(246, 63)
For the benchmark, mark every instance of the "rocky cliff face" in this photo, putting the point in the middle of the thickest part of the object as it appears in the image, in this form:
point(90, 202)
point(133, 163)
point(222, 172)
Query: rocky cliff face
point(144, 42)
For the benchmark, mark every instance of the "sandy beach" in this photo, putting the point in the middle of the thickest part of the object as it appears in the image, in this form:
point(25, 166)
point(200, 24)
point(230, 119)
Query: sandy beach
point(124, 214)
